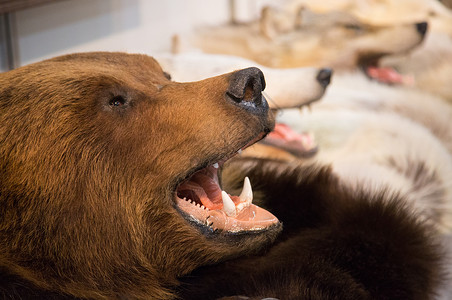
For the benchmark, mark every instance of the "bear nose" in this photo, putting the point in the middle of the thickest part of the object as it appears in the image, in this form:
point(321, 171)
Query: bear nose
point(245, 88)
point(324, 77)
point(422, 27)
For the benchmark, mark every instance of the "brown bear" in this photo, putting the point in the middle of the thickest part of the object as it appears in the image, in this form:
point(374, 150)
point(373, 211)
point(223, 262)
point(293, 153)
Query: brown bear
point(110, 188)
point(93, 149)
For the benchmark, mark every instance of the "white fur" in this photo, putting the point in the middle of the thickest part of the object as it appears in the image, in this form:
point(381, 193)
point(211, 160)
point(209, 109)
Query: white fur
point(285, 87)
point(361, 127)
point(380, 135)
point(430, 64)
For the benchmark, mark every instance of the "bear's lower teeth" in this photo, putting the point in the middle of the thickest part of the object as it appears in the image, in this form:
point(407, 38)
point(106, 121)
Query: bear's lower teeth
point(230, 217)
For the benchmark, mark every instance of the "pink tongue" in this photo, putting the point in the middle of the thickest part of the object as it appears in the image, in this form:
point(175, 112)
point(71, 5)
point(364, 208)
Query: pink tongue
point(283, 137)
point(385, 75)
point(203, 188)
point(282, 131)
point(211, 189)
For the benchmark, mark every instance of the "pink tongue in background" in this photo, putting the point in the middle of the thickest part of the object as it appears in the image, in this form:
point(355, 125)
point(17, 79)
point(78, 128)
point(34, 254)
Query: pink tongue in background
point(299, 142)
point(385, 75)
point(282, 131)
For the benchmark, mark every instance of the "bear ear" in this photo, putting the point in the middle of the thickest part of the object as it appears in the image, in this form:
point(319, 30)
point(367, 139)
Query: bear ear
point(167, 75)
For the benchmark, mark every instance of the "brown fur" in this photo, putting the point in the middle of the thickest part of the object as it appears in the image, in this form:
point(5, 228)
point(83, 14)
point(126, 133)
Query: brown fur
point(92, 148)
point(86, 189)
point(337, 242)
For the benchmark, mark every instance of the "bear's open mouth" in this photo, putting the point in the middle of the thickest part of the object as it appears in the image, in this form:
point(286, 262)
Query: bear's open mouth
point(370, 64)
point(202, 200)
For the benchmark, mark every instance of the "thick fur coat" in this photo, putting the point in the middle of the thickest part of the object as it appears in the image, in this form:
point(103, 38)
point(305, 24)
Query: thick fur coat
point(337, 243)
point(109, 190)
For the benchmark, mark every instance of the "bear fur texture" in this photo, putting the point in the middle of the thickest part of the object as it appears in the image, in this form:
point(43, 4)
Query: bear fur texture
point(337, 243)
point(94, 148)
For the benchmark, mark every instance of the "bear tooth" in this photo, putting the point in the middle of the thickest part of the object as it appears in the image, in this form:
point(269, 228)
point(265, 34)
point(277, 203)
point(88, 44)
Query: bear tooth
point(239, 151)
point(247, 193)
point(228, 204)
point(216, 165)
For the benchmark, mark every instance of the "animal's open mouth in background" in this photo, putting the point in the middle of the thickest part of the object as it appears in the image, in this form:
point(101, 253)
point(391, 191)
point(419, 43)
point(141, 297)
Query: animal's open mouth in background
point(370, 64)
point(302, 145)
point(202, 200)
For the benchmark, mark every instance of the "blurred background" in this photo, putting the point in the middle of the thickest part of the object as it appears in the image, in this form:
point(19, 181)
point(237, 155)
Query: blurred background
point(35, 30)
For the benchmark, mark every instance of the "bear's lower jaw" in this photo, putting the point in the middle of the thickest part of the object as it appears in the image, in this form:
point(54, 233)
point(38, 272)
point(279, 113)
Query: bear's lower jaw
point(251, 218)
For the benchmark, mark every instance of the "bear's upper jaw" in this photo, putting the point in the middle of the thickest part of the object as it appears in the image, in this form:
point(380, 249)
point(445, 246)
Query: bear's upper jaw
point(202, 200)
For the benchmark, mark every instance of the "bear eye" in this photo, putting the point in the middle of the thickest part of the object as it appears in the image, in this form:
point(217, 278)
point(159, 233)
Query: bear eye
point(117, 101)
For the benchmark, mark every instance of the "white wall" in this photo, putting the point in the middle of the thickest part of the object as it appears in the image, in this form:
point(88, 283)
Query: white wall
point(143, 26)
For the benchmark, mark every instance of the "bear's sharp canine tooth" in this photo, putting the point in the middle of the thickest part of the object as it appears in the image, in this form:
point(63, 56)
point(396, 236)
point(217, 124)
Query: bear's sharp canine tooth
point(239, 151)
point(247, 193)
point(228, 204)
point(216, 165)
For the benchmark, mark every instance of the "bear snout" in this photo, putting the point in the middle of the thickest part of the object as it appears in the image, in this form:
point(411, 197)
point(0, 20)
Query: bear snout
point(245, 89)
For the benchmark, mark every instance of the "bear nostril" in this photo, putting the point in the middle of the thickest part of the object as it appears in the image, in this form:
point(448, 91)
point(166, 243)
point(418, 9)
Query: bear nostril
point(422, 27)
point(246, 87)
point(324, 77)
